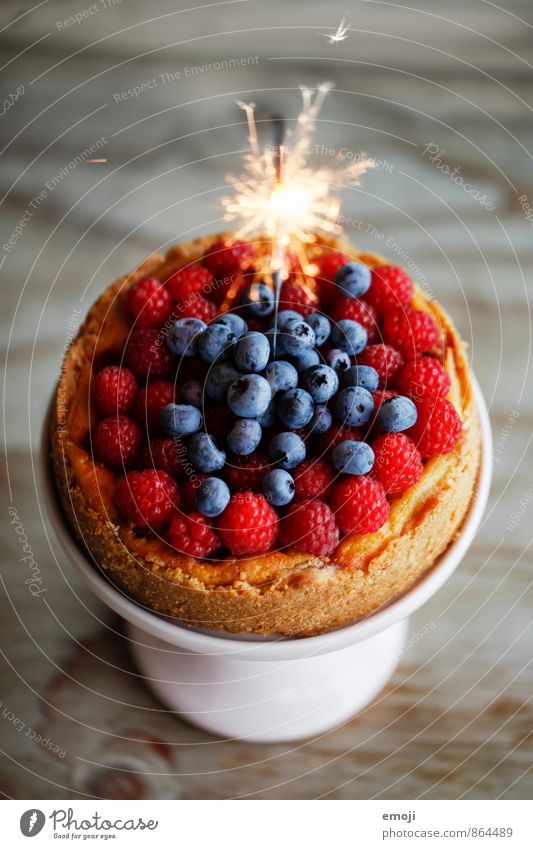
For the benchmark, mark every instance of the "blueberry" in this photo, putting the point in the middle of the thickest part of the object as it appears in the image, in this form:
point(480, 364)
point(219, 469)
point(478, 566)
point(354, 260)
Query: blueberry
point(192, 392)
point(182, 338)
point(180, 419)
point(294, 408)
point(365, 376)
point(278, 486)
point(268, 418)
point(305, 360)
point(249, 396)
point(321, 382)
point(297, 336)
point(353, 458)
point(337, 359)
point(252, 352)
point(321, 326)
point(219, 379)
point(284, 315)
point(212, 497)
point(287, 449)
point(349, 336)
point(234, 322)
point(354, 406)
point(215, 343)
point(204, 453)
point(244, 436)
point(258, 299)
point(397, 414)
point(281, 375)
point(321, 421)
point(353, 279)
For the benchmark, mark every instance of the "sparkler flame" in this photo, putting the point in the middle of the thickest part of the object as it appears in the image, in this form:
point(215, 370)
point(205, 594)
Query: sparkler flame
point(290, 199)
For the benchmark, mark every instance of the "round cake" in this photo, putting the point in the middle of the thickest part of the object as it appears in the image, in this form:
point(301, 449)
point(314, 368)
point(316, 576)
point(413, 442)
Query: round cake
point(248, 466)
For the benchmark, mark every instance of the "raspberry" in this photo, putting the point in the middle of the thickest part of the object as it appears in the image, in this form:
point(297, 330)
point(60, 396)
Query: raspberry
point(310, 526)
point(164, 453)
point(116, 441)
point(147, 354)
point(115, 390)
point(147, 498)
point(149, 303)
point(385, 359)
point(359, 311)
point(188, 282)
point(328, 264)
point(390, 287)
point(188, 492)
point(192, 535)
point(151, 400)
point(326, 442)
point(296, 296)
point(360, 505)
point(249, 524)
point(423, 379)
point(397, 462)
point(312, 479)
point(411, 332)
point(437, 428)
point(224, 260)
point(246, 472)
point(197, 307)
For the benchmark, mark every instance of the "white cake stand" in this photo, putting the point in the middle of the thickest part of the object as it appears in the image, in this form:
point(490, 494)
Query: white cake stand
point(270, 689)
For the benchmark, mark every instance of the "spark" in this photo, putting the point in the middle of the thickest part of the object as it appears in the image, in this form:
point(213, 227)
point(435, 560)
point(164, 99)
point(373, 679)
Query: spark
point(94, 161)
point(280, 193)
point(339, 35)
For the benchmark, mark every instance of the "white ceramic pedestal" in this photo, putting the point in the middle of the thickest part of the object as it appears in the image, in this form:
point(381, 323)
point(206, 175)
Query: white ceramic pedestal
point(270, 688)
point(267, 701)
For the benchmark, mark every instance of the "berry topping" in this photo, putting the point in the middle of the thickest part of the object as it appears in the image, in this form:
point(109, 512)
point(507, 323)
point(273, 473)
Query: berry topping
point(249, 396)
point(313, 479)
point(235, 323)
point(353, 458)
point(423, 379)
point(437, 429)
point(198, 307)
point(294, 408)
point(248, 525)
point(391, 287)
point(358, 311)
point(281, 375)
point(149, 303)
point(219, 379)
point(321, 326)
point(252, 352)
point(412, 332)
point(204, 453)
point(216, 343)
point(147, 355)
point(298, 297)
point(258, 299)
point(337, 433)
point(321, 421)
point(287, 449)
point(353, 279)
point(310, 526)
point(212, 497)
point(116, 441)
point(186, 283)
point(183, 336)
point(384, 359)
point(328, 264)
point(115, 390)
point(147, 498)
point(360, 505)
point(349, 336)
point(180, 419)
point(278, 486)
point(192, 535)
point(338, 360)
point(364, 376)
point(226, 259)
point(354, 406)
point(166, 454)
point(397, 463)
point(188, 491)
point(246, 472)
point(245, 436)
point(151, 400)
point(321, 382)
point(296, 337)
point(396, 414)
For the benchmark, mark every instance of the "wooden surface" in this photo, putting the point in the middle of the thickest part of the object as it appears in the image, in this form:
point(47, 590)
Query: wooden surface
point(456, 720)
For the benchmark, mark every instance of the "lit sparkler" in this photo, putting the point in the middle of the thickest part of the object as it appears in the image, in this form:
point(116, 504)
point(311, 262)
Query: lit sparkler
point(339, 34)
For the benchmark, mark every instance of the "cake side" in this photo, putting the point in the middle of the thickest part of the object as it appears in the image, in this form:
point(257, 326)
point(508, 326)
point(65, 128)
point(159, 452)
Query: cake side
point(287, 592)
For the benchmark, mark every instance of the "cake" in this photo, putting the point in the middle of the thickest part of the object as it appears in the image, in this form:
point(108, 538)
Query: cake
point(265, 539)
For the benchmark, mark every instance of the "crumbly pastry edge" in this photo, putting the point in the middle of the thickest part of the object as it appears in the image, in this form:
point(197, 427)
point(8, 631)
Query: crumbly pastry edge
point(308, 595)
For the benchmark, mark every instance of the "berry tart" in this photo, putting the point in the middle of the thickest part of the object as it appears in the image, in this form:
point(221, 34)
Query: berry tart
point(249, 468)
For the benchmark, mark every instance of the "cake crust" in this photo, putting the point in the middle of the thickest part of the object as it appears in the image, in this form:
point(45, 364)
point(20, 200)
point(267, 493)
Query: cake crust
point(289, 593)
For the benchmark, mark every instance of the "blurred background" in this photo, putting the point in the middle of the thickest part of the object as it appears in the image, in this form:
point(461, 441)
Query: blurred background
point(441, 94)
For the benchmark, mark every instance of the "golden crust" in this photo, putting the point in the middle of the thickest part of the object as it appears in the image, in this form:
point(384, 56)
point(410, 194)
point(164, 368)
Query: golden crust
point(289, 593)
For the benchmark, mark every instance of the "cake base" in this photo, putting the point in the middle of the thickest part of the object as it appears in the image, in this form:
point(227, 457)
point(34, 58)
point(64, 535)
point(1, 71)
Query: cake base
point(268, 702)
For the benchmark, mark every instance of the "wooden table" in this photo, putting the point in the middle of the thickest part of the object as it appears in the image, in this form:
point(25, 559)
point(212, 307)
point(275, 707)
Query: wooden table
point(426, 91)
